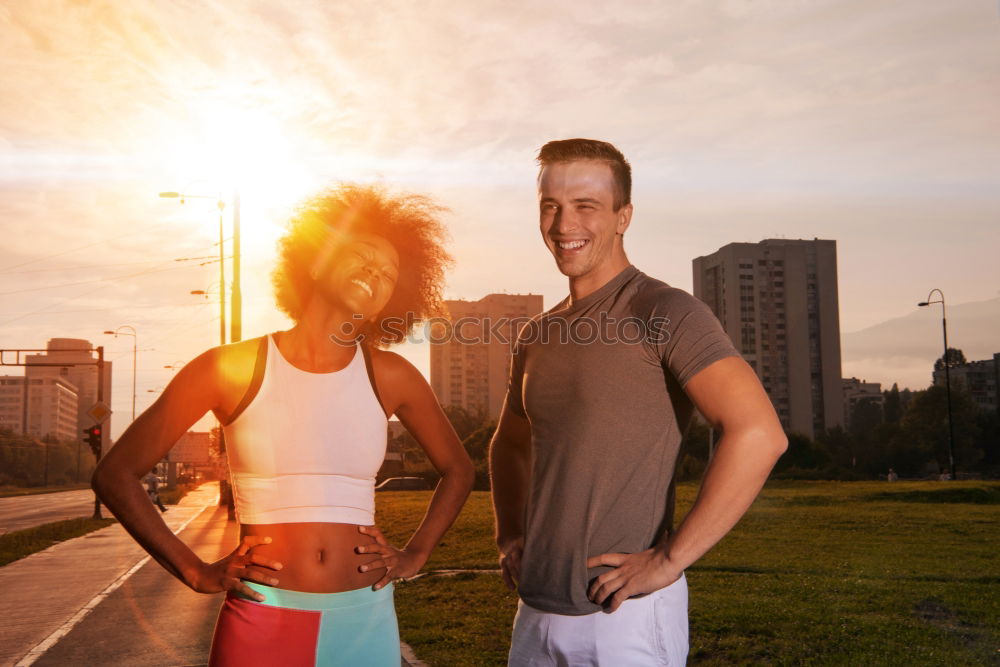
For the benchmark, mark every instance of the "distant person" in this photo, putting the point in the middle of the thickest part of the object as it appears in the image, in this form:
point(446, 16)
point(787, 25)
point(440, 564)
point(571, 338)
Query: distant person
point(153, 489)
point(584, 457)
point(305, 415)
point(892, 476)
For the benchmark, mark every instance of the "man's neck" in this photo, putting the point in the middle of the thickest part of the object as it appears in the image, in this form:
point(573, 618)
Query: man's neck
point(585, 285)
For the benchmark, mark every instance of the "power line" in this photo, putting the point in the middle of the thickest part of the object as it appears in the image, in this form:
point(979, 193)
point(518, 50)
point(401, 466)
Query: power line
point(91, 282)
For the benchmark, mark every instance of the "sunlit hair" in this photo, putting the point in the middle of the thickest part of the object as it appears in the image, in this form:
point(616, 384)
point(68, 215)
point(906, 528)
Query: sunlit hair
point(570, 150)
point(409, 222)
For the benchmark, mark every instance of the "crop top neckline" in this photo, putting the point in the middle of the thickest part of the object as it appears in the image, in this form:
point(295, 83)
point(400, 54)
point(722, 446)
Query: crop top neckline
point(284, 360)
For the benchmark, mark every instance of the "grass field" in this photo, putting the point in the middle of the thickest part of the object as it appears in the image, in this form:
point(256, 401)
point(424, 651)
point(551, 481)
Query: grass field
point(20, 543)
point(10, 491)
point(844, 573)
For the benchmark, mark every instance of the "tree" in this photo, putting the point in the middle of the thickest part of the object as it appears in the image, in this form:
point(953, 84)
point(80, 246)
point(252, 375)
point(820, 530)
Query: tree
point(923, 435)
point(893, 405)
point(465, 422)
point(802, 454)
point(955, 358)
point(867, 414)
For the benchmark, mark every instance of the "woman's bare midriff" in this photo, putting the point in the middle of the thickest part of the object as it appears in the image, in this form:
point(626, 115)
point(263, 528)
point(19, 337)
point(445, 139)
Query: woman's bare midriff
point(316, 557)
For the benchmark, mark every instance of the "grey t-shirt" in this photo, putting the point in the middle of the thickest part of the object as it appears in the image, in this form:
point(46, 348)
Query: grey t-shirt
point(600, 381)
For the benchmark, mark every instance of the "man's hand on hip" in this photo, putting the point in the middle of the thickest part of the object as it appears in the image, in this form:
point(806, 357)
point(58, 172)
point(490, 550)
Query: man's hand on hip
point(634, 574)
point(510, 562)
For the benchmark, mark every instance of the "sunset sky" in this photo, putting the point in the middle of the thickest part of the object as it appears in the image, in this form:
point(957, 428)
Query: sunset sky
point(874, 123)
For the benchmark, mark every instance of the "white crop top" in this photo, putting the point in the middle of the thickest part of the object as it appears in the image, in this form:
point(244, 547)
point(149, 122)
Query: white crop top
point(308, 445)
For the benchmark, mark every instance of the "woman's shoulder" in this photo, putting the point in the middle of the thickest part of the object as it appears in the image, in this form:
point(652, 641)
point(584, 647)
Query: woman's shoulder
point(234, 357)
point(229, 366)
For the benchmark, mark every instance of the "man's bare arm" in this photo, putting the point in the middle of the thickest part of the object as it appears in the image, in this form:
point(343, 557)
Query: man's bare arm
point(729, 395)
point(510, 469)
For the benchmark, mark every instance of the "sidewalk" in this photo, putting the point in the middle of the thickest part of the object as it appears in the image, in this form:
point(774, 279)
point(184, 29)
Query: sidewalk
point(44, 591)
point(150, 620)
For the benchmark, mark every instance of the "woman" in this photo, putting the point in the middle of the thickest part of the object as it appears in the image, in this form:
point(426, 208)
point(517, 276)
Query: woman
point(304, 412)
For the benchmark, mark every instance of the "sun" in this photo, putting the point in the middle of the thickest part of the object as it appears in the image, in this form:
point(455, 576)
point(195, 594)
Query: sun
point(223, 149)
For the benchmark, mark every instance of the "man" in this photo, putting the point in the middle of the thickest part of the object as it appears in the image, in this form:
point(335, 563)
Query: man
point(153, 490)
point(584, 456)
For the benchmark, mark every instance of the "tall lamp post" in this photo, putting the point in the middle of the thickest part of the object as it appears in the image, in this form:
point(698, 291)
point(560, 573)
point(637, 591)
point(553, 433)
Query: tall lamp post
point(947, 376)
point(118, 332)
point(236, 324)
point(225, 495)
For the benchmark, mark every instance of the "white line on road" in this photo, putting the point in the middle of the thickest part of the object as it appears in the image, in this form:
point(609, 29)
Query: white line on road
point(47, 643)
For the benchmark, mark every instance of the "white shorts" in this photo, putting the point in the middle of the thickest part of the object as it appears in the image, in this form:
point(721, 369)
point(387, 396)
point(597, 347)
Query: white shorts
point(651, 630)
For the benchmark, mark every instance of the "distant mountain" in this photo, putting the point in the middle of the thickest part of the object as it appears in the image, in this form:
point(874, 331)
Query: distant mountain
point(904, 349)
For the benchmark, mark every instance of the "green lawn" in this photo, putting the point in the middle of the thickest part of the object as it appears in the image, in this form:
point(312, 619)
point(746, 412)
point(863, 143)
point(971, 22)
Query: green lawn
point(846, 573)
point(9, 491)
point(20, 543)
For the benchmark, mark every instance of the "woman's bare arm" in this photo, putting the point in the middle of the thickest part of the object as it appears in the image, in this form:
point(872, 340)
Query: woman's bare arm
point(195, 390)
point(408, 395)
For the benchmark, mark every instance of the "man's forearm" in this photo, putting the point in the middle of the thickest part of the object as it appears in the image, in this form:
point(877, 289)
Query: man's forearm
point(509, 469)
point(734, 477)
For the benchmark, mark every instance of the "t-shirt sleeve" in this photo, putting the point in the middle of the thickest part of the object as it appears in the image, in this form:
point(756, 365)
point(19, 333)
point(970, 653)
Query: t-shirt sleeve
point(687, 336)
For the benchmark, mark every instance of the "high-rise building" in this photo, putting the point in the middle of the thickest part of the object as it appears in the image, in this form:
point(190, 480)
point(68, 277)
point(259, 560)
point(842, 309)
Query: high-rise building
point(81, 370)
point(470, 360)
point(777, 300)
point(51, 406)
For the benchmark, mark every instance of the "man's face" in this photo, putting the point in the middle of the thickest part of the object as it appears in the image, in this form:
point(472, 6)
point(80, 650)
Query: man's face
point(577, 217)
point(361, 274)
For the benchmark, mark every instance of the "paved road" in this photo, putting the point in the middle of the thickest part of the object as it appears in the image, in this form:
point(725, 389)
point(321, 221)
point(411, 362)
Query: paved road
point(20, 512)
point(152, 620)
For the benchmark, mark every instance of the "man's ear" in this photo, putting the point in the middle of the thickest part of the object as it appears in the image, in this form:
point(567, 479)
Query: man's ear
point(624, 218)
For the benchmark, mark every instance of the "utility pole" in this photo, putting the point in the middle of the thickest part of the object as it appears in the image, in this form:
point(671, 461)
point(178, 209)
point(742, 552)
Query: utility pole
point(236, 329)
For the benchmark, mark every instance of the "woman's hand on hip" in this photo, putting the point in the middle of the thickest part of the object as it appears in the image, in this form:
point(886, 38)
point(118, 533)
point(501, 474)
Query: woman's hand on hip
point(243, 563)
point(398, 563)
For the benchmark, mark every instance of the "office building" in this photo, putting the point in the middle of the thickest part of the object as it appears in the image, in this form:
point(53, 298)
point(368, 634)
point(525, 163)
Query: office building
point(777, 300)
point(70, 359)
point(51, 407)
point(470, 359)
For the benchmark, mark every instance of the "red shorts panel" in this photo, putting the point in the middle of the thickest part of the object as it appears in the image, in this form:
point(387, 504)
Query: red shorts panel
point(252, 634)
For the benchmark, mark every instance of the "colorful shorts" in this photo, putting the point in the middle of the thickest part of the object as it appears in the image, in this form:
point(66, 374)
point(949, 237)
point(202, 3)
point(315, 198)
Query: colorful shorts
point(296, 629)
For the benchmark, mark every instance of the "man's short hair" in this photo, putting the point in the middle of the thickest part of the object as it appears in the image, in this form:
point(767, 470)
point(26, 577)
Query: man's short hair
point(409, 222)
point(571, 150)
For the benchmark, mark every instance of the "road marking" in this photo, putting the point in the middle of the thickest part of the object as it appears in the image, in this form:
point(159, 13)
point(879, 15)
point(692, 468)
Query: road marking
point(50, 641)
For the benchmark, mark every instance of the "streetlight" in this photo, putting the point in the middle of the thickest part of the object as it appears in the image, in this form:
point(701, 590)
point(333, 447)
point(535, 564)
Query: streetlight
point(118, 332)
point(947, 376)
point(236, 324)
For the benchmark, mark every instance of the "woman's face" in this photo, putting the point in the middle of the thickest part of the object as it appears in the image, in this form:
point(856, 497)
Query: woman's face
point(361, 274)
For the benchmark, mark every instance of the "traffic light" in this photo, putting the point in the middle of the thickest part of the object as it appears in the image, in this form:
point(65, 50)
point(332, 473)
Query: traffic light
point(94, 439)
